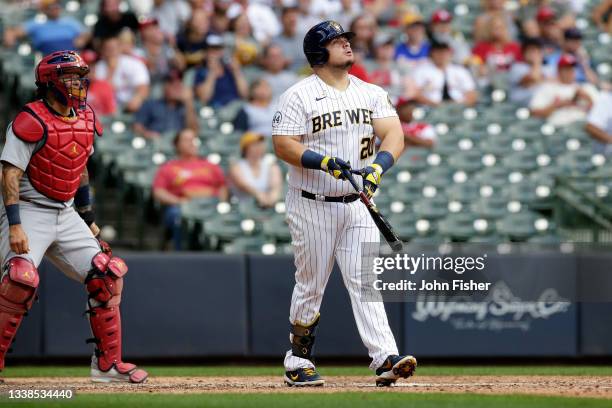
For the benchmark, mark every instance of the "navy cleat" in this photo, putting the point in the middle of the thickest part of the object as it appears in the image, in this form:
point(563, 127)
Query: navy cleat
point(393, 368)
point(303, 377)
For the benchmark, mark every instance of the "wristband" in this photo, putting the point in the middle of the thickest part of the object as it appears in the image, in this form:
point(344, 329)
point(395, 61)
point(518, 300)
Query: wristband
point(88, 216)
point(385, 160)
point(312, 160)
point(82, 197)
point(12, 213)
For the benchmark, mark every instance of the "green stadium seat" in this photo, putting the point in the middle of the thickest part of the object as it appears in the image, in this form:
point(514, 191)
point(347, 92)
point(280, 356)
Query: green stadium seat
point(464, 192)
point(490, 208)
point(277, 229)
point(519, 226)
point(254, 244)
point(523, 161)
point(460, 226)
point(430, 208)
point(469, 161)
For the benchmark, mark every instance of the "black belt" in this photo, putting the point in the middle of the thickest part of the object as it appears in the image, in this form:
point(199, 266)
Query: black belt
point(349, 198)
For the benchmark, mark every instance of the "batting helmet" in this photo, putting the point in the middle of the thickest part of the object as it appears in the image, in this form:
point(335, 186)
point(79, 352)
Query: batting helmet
point(49, 76)
point(318, 36)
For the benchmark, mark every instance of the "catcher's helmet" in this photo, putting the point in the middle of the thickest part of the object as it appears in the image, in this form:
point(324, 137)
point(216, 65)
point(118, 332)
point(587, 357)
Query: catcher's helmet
point(318, 36)
point(50, 70)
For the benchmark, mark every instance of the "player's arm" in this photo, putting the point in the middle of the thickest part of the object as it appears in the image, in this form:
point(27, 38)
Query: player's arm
point(82, 203)
point(389, 131)
point(11, 175)
point(291, 150)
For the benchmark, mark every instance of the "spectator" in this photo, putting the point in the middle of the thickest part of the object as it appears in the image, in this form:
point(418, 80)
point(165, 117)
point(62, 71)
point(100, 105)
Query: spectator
point(497, 52)
point(419, 134)
point(572, 44)
point(442, 31)
point(385, 73)
point(599, 123)
point(171, 15)
point(493, 8)
point(191, 43)
point(246, 49)
point(111, 20)
point(187, 177)
point(349, 10)
point(173, 112)
point(274, 64)
point(563, 101)
point(549, 30)
point(307, 16)
point(157, 54)
point(257, 114)
point(127, 74)
point(218, 82)
point(100, 94)
point(364, 27)
point(289, 40)
point(358, 68)
point(256, 174)
point(264, 22)
point(533, 13)
point(438, 80)
point(526, 75)
point(415, 49)
point(219, 21)
point(602, 16)
point(127, 44)
point(55, 33)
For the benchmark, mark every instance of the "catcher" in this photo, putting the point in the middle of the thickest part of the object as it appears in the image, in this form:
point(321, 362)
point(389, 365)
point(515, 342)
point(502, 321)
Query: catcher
point(44, 179)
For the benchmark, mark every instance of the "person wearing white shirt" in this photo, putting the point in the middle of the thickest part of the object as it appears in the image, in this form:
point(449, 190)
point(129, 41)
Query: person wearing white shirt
point(438, 80)
point(128, 75)
point(563, 101)
point(599, 123)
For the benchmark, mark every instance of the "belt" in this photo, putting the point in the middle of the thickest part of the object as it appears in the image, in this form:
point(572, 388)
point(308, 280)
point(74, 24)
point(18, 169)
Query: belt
point(349, 198)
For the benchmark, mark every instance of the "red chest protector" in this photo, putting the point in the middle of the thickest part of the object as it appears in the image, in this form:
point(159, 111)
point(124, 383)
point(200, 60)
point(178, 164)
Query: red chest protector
point(62, 148)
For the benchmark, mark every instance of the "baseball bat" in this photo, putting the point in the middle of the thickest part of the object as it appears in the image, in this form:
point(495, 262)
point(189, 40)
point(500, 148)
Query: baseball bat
point(381, 222)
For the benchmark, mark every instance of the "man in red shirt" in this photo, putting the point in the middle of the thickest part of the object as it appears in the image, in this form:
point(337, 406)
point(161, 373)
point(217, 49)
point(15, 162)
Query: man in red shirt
point(187, 177)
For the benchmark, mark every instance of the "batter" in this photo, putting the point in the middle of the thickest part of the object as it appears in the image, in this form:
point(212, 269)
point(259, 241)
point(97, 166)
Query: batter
point(326, 124)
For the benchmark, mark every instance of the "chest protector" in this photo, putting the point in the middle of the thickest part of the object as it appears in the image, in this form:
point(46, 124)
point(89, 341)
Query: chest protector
point(63, 146)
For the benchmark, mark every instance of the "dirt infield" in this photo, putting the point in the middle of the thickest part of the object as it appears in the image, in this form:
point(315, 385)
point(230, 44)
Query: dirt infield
point(568, 386)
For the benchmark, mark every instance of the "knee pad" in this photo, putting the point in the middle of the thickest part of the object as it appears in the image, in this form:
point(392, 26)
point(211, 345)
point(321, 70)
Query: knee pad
point(18, 285)
point(105, 281)
point(303, 337)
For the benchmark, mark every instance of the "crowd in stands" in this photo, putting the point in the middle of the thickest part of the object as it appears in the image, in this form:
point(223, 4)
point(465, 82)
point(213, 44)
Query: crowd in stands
point(160, 59)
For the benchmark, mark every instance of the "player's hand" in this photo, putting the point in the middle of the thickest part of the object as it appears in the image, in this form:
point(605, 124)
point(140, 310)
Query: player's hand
point(372, 175)
point(335, 166)
point(18, 240)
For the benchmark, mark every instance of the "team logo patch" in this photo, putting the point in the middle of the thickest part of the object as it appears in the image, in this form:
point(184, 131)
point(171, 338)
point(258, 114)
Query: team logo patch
point(276, 120)
point(335, 26)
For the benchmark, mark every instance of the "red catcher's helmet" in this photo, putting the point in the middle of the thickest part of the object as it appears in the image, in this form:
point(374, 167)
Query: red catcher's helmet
point(51, 74)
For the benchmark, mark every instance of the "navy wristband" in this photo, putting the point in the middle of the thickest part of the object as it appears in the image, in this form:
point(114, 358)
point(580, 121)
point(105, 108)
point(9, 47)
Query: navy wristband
point(385, 160)
point(12, 213)
point(311, 160)
point(82, 197)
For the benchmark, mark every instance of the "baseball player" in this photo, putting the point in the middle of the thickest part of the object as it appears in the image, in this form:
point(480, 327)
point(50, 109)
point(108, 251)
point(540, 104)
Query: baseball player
point(44, 174)
point(325, 124)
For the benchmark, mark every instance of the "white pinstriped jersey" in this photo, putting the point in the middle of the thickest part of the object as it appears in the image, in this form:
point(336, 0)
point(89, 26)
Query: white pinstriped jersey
point(333, 123)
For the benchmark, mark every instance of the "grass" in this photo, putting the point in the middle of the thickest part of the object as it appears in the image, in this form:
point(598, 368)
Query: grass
point(338, 400)
point(222, 371)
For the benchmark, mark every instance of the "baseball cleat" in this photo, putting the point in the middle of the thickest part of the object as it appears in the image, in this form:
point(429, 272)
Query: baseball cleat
point(123, 372)
point(393, 368)
point(303, 377)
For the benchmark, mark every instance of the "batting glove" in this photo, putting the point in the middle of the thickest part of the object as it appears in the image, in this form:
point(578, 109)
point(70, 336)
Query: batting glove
point(372, 175)
point(335, 167)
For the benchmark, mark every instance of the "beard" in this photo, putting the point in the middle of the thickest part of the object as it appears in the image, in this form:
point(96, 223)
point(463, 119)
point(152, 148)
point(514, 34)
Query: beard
point(345, 65)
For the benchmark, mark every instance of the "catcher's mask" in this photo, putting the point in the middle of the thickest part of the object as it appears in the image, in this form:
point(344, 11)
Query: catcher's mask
point(64, 73)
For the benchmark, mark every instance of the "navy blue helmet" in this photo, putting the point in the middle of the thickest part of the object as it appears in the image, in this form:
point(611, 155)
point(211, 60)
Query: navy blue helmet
point(318, 36)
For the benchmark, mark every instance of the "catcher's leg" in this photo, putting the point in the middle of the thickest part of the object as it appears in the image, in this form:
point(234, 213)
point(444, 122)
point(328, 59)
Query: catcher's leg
point(78, 255)
point(104, 285)
point(18, 285)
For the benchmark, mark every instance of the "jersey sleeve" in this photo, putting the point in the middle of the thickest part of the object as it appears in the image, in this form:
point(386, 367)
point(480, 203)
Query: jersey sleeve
point(16, 151)
point(290, 118)
point(383, 107)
